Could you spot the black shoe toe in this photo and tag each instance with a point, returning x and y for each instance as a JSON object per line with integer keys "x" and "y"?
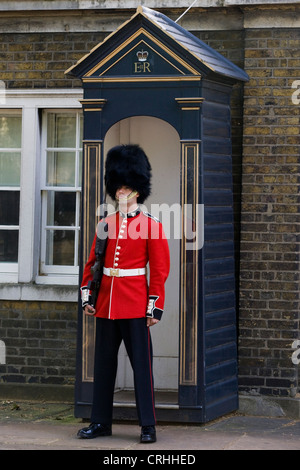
{"x": 94, "y": 430}
{"x": 148, "y": 434}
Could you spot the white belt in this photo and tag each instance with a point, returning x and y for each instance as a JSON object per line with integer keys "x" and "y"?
{"x": 124, "y": 272}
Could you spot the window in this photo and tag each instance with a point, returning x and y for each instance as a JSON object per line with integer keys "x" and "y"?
{"x": 40, "y": 177}
{"x": 61, "y": 190}
{"x": 10, "y": 164}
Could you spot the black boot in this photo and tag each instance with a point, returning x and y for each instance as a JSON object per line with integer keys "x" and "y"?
{"x": 148, "y": 434}
{"x": 94, "y": 430}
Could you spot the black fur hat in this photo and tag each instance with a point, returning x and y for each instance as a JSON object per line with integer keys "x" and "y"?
{"x": 128, "y": 165}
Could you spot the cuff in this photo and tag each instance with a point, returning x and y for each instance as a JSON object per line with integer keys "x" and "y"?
{"x": 152, "y": 310}
{"x": 85, "y": 296}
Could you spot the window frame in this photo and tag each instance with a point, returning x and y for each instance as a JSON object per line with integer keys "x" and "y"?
{"x": 46, "y": 269}
{"x": 22, "y": 281}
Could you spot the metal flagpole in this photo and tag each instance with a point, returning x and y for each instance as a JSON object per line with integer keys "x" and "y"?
{"x": 186, "y": 11}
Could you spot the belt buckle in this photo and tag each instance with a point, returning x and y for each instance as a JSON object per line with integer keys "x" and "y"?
{"x": 114, "y": 272}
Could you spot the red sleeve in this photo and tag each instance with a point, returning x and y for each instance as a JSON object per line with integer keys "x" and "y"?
{"x": 159, "y": 265}
{"x": 87, "y": 274}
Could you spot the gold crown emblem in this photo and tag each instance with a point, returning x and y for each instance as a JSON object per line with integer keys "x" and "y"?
{"x": 142, "y": 55}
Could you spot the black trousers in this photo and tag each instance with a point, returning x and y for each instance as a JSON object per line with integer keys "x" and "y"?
{"x": 137, "y": 340}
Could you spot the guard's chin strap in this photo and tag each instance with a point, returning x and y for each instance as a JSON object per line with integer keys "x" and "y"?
{"x": 127, "y": 198}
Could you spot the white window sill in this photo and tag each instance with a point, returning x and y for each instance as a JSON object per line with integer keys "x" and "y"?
{"x": 42, "y": 293}
{"x": 57, "y": 280}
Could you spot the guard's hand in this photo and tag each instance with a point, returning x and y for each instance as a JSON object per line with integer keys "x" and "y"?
{"x": 89, "y": 310}
{"x": 151, "y": 321}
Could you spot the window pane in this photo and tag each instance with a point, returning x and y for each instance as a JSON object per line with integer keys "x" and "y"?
{"x": 9, "y": 207}
{"x": 9, "y": 240}
{"x": 61, "y": 130}
{"x": 10, "y": 163}
{"x": 10, "y": 131}
{"x": 60, "y": 247}
{"x": 61, "y": 208}
{"x": 61, "y": 169}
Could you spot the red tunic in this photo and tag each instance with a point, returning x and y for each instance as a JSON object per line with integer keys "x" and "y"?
{"x": 133, "y": 241}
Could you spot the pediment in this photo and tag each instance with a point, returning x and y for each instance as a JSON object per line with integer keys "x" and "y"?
{"x": 142, "y": 56}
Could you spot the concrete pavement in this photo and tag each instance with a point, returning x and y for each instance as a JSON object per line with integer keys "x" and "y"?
{"x": 45, "y": 426}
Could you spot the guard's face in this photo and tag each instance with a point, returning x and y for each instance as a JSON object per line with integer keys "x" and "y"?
{"x": 124, "y": 193}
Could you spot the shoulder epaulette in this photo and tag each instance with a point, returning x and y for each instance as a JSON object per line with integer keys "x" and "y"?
{"x": 147, "y": 214}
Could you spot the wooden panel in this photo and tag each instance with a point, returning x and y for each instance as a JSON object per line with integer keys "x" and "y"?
{"x": 221, "y": 284}
{"x": 214, "y": 162}
{"x": 219, "y": 266}
{"x": 220, "y": 371}
{"x": 220, "y": 354}
{"x": 219, "y": 301}
{"x": 218, "y": 198}
{"x": 217, "y": 180}
{"x": 214, "y": 249}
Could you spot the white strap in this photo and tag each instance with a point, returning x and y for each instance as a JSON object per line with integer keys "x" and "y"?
{"x": 124, "y": 272}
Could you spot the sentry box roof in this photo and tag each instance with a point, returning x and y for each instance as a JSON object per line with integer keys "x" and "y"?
{"x": 176, "y": 53}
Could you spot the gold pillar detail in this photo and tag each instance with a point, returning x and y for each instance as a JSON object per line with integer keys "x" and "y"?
{"x": 189, "y": 266}
{"x": 91, "y": 201}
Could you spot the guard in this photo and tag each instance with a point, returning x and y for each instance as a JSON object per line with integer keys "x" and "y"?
{"x": 127, "y": 304}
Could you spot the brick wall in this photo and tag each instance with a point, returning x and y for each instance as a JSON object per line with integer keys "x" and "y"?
{"x": 40, "y": 339}
{"x": 39, "y": 60}
{"x": 269, "y": 275}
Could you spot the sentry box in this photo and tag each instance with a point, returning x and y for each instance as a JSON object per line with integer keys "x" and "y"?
{"x": 155, "y": 84}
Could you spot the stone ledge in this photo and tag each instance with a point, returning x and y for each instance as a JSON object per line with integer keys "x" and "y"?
{"x": 50, "y": 393}
{"x": 97, "y": 16}
{"x": 79, "y": 5}
{"x": 269, "y": 406}
{"x": 41, "y": 293}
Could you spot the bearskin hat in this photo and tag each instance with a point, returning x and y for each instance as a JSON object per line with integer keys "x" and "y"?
{"x": 128, "y": 165}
